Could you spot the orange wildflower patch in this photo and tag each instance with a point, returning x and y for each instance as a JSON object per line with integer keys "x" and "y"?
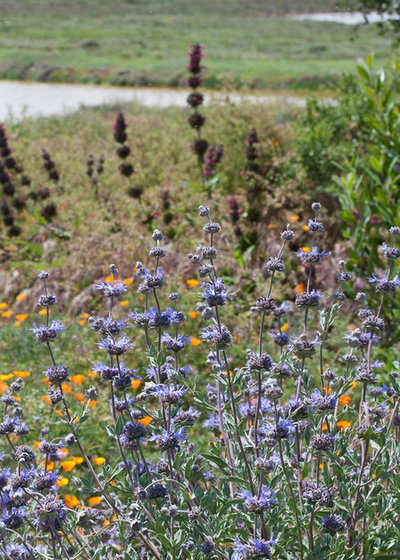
{"x": 146, "y": 420}
{"x": 192, "y": 283}
{"x": 6, "y": 314}
{"x": 71, "y": 501}
{"x": 5, "y": 377}
{"x": 21, "y": 317}
{"x": 21, "y": 297}
{"x": 77, "y": 460}
{"x": 128, "y": 281}
{"x": 94, "y": 501}
{"x": 194, "y": 314}
{"x": 46, "y": 399}
{"x": 300, "y": 288}
{"x": 44, "y": 311}
{"x": 344, "y": 400}
{"x": 66, "y": 388}
{"x": 78, "y": 379}
{"x": 343, "y": 424}
{"x": 284, "y": 327}
{"x": 124, "y": 303}
{"x": 62, "y": 481}
{"x": 3, "y": 305}
{"x": 136, "y": 384}
{"x": 195, "y": 341}
{"x": 68, "y": 465}
{"x": 21, "y": 374}
{"x": 324, "y": 426}
{"x": 92, "y": 374}
{"x": 293, "y": 218}
{"x": 99, "y": 461}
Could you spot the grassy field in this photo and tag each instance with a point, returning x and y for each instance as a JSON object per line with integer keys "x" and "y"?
{"x": 135, "y": 42}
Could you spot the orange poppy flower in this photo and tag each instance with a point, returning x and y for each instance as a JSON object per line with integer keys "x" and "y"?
{"x": 146, "y": 420}
{"x": 95, "y": 500}
{"x": 195, "y": 341}
{"x": 136, "y": 384}
{"x": 192, "y": 283}
{"x": 300, "y": 288}
{"x": 21, "y": 317}
{"x": 62, "y": 481}
{"x": 99, "y": 461}
{"x": 71, "y": 501}
{"x": 343, "y": 424}
{"x": 21, "y": 374}
{"x": 344, "y": 400}
{"x": 68, "y": 465}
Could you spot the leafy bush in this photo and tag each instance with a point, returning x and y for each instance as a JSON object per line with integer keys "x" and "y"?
{"x": 349, "y": 151}
{"x": 303, "y": 434}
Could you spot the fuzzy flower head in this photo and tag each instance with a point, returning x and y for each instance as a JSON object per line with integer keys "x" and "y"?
{"x": 324, "y": 402}
{"x": 215, "y": 293}
{"x": 169, "y": 439}
{"x": 111, "y": 289}
{"x": 311, "y": 257}
{"x": 253, "y": 549}
{"x": 168, "y": 393}
{"x": 259, "y": 504}
{"x": 47, "y": 334}
{"x": 115, "y": 347}
{"x": 385, "y": 285}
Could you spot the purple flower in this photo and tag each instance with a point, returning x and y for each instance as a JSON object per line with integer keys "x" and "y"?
{"x": 115, "y": 347}
{"x": 256, "y": 548}
{"x": 212, "y": 423}
{"x": 168, "y": 393}
{"x": 311, "y": 257}
{"x": 324, "y": 402}
{"x": 152, "y": 318}
{"x": 175, "y": 344}
{"x": 215, "y": 293}
{"x": 169, "y": 439}
{"x": 221, "y": 338}
{"x": 150, "y": 282}
{"x": 383, "y": 284}
{"x": 281, "y": 429}
{"x": 47, "y": 334}
{"x": 257, "y": 504}
{"x": 111, "y": 289}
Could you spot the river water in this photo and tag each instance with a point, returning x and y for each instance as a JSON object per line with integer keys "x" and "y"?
{"x": 346, "y": 18}
{"x": 26, "y": 99}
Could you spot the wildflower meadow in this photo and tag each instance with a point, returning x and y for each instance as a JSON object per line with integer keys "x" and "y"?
{"x": 199, "y": 331}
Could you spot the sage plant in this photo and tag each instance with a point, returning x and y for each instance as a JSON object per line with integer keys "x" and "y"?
{"x": 303, "y": 454}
